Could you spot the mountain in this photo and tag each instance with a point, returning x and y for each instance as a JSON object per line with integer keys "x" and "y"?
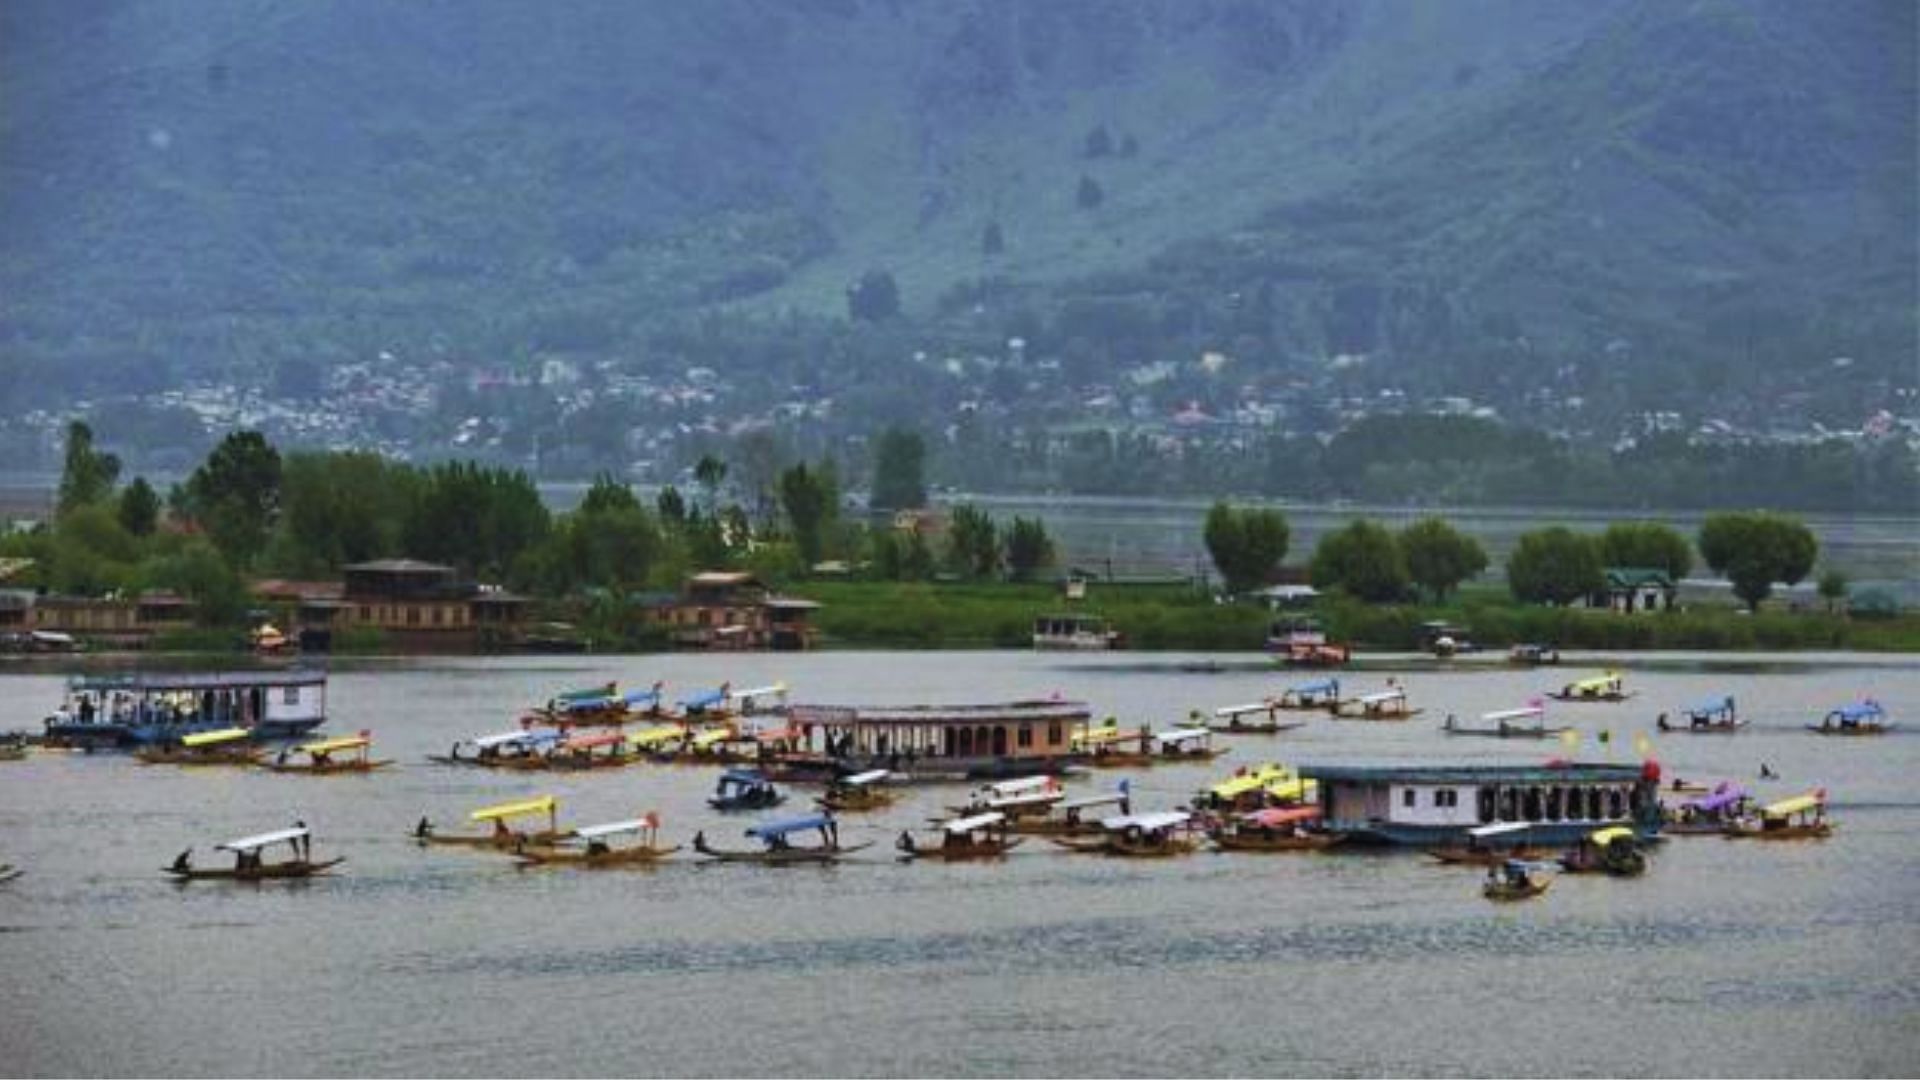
{"x": 1694, "y": 204}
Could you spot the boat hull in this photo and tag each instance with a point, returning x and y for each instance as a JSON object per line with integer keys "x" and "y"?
{"x": 780, "y": 856}
{"x": 1503, "y": 892}
{"x": 276, "y": 872}
{"x": 1227, "y": 841}
{"x": 633, "y": 856}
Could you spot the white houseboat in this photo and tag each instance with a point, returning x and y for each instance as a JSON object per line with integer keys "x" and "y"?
{"x": 1426, "y": 805}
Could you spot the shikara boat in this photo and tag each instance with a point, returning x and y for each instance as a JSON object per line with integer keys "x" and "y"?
{"x": 1388, "y": 704}
{"x": 227, "y": 746}
{"x": 779, "y": 850}
{"x": 1185, "y": 744}
{"x": 1246, "y": 719}
{"x": 1864, "y": 717}
{"x": 745, "y": 789}
{"x": 1491, "y": 845}
{"x": 8, "y": 872}
{"x": 658, "y": 741}
{"x": 1715, "y": 716}
{"x": 1106, "y": 746}
{"x": 1254, "y": 788}
{"x": 1530, "y": 654}
{"x": 1141, "y": 836}
{"x": 601, "y": 748}
{"x": 501, "y": 837}
{"x": 1803, "y": 817}
{"x": 594, "y": 705}
{"x": 505, "y": 750}
{"x": 861, "y": 791}
{"x": 1073, "y": 817}
{"x": 13, "y": 747}
{"x": 980, "y": 836}
{"x": 249, "y": 864}
{"x": 329, "y": 757}
{"x": 589, "y": 846}
{"x": 1524, "y": 723}
{"x": 712, "y": 745}
{"x": 1609, "y": 687}
{"x": 1028, "y": 796}
{"x": 1517, "y": 879}
{"x": 1274, "y": 829}
{"x": 1317, "y": 695}
{"x": 1709, "y": 813}
{"x": 1614, "y": 851}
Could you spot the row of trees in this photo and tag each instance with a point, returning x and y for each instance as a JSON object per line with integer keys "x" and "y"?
{"x": 1555, "y": 565}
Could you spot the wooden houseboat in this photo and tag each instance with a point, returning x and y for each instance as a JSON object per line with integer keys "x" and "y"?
{"x": 943, "y": 742}
{"x": 1432, "y": 805}
{"x": 1865, "y": 717}
{"x": 1300, "y": 641}
{"x": 1074, "y": 631}
{"x": 148, "y": 708}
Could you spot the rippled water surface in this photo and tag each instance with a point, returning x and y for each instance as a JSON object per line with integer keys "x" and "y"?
{"x": 1727, "y": 958}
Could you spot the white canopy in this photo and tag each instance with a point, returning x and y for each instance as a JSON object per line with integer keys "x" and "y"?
{"x": 758, "y": 691}
{"x": 1181, "y": 735}
{"x": 1023, "y": 786}
{"x": 255, "y": 843}
{"x": 1499, "y": 829}
{"x": 614, "y": 828}
{"x": 1155, "y": 822}
{"x": 872, "y": 776}
{"x": 1531, "y": 712}
{"x": 1093, "y": 800}
{"x": 969, "y": 824}
{"x": 1242, "y": 710}
{"x": 1036, "y": 798}
{"x": 486, "y": 742}
{"x": 1381, "y": 696}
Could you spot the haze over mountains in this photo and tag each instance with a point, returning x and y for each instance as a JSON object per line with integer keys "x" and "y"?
{"x": 1694, "y": 206}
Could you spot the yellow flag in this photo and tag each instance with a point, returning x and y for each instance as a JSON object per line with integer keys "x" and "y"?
{"x": 1570, "y": 738}
{"x": 1642, "y": 745}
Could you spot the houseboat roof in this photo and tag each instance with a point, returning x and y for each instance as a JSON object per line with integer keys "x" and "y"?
{"x": 1577, "y": 772}
{"x": 1315, "y": 686}
{"x": 256, "y": 842}
{"x": 1017, "y": 712}
{"x": 147, "y": 681}
{"x": 862, "y": 779}
{"x": 973, "y": 823}
{"x": 1181, "y": 735}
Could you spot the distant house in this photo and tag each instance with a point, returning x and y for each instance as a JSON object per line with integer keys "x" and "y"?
{"x": 112, "y": 620}
{"x": 725, "y": 610}
{"x": 1631, "y": 589}
{"x": 418, "y": 604}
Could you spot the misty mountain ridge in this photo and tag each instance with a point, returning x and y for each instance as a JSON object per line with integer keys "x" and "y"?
{"x": 1681, "y": 197}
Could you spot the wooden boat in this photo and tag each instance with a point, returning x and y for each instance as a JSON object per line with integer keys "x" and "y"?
{"x": 587, "y": 847}
{"x": 227, "y": 746}
{"x": 1388, "y": 704}
{"x": 1027, "y": 796}
{"x": 1614, "y": 851}
{"x": 658, "y": 741}
{"x": 1491, "y": 845}
{"x": 595, "y": 705}
{"x": 1525, "y": 723}
{"x": 1316, "y": 695}
{"x": 709, "y": 746}
{"x": 1715, "y": 716}
{"x": 501, "y": 837}
{"x": 1077, "y": 631}
{"x": 1245, "y": 720}
{"x": 248, "y": 863}
{"x": 1139, "y": 836}
{"x": 861, "y": 791}
{"x": 1445, "y": 640}
{"x": 1803, "y": 817}
{"x": 1071, "y": 817}
{"x": 8, "y": 872}
{"x": 13, "y": 751}
{"x": 1185, "y": 744}
{"x": 1254, "y": 788}
{"x": 1530, "y": 654}
{"x": 1104, "y": 746}
{"x": 1864, "y": 717}
{"x": 505, "y": 750}
{"x": 744, "y": 789}
{"x": 604, "y": 748}
{"x": 1709, "y": 813}
{"x": 1515, "y": 880}
{"x": 980, "y": 836}
{"x": 1609, "y": 687}
{"x": 1274, "y": 829}
{"x": 329, "y": 757}
{"x": 779, "y": 850}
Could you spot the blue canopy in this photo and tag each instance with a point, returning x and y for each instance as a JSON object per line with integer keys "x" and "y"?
{"x": 593, "y": 704}
{"x": 1317, "y": 686}
{"x": 704, "y": 700}
{"x": 746, "y": 777}
{"x": 642, "y": 697}
{"x": 1721, "y": 704}
{"x": 1860, "y": 710}
{"x": 771, "y": 829}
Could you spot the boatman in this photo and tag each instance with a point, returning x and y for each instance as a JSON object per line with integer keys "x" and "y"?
{"x": 184, "y": 862}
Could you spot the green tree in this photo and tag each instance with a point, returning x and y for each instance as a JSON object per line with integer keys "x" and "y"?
{"x": 1440, "y": 557}
{"x": 199, "y": 572}
{"x": 874, "y": 298}
{"x": 1755, "y": 549}
{"x": 710, "y": 472}
{"x": 1555, "y": 566}
{"x": 139, "y": 509}
{"x": 606, "y": 495}
{"x": 1363, "y": 559}
{"x": 1029, "y": 548}
{"x": 338, "y": 508}
{"x": 480, "y": 519}
{"x": 89, "y": 474}
{"x": 899, "y": 470}
{"x": 1246, "y": 545}
{"x": 672, "y": 506}
{"x": 973, "y": 543}
{"x": 235, "y": 494}
{"x": 1833, "y": 589}
{"x": 811, "y": 499}
{"x": 1647, "y": 544}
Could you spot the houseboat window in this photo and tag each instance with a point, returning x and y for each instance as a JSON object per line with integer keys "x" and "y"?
{"x": 1616, "y": 806}
{"x": 966, "y": 742}
{"x": 1446, "y": 797}
{"x": 365, "y": 613}
{"x": 1509, "y": 804}
{"x": 290, "y": 696}
{"x": 1485, "y": 805}
{"x": 1409, "y": 797}
{"x": 1534, "y": 808}
{"x": 1556, "y": 797}
{"x": 1026, "y": 736}
{"x": 1000, "y": 741}
{"x": 1053, "y": 733}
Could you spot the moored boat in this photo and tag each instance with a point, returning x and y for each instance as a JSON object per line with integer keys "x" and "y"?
{"x": 227, "y": 746}
{"x": 1532, "y": 654}
{"x": 1246, "y": 719}
{"x": 1863, "y": 717}
{"x": 504, "y": 750}
{"x": 1491, "y": 845}
{"x": 1712, "y": 716}
{"x": 861, "y": 791}
{"x": 590, "y": 846}
{"x": 1609, "y": 687}
{"x": 1253, "y": 788}
{"x": 1803, "y": 817}
{"x": 938, "y": 742}
{"x": 1314, "y": 694}
{"x": 1614, "y": 851}
{"x": 1027, "y": 796}
{"x": 1516, "y": 879}
{"x": 1185, "y": 744}
{"x": 777, "y": 836}
{"x": 1141, "y": 836}
{"x": 1300, "y": 641}
{"x": 1529, "y": 722}
{"x": 249, "y": 862}
{"x": 1711, "y": 812}
{"x": 1074, "y": 817}
{"x": 329, "y": 757}
{"x": 501, "y": 837}
{"x": 1074, "y": 631}
{"x": 1388, "y": 704}
{"x": 1274, "y": 829}
{"x": 745, "y": 789}
{"x": 978, "y": 836}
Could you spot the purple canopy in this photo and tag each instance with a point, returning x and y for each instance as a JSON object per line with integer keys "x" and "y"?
{"x": 1723, "y": 796}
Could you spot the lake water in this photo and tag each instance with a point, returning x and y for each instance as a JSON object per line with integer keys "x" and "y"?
{"x": 1727, "y": 958}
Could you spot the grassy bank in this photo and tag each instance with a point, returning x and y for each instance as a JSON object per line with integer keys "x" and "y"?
{"x": 920, "y": 615}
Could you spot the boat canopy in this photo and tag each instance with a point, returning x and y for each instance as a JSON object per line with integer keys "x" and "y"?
{"x": 1598, "y": 683}
{"x": 772, "y": 690}
{"x": 506, "y": 738}
{"x": 1292, "y": 789}
{"x": 706, "y": 699}
{"x": 1604, "y": 837}
{"x": 1723, "y": 796}
{"x": 1225, "y": 711}
{"x": 1084, "y": 802}
{"x": 1799, "y": 804}
{"x": 1531, "y": 712}
{"x": 591, "y": 740}
{"x": 1315, "y": 686}
{"x": 502, "y": 811}
{"x": 1252, "y": 780}
{"x": 617, "y": 828}
{"x": 214, "y": 738}
{"x": 1098, "y": 736}
{"x": 972, "y": 824}
{"x": 334, "y": 746}
{"x": 1182, "y": 735}
{"x": 770, "y": 830}
{"x": 1159, "y": 821}
{"x": 1500, "y": 828}
{"x": 1857, "y": 711}
{"x": 743, "y": 778}
{"x": 710, "y": 737}
{"x": 592, "y": 693}
{"x": 1026, "y": 785}
{"x": 591, "y": 704}
{"x": 1381, "y": 697}
{"x": 654, "y": 736}
{"x": 1280, "y": 816}
{"x": 255, "y": 843}
{"x": 647, "y": 698}
{"x": 1713, "y": 706}
{"x": 871, "y": 776}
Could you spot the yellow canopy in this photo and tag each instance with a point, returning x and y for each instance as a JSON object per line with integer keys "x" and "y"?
{"x": 654, "y": 736}
{"x": 214, "y": 738}
{"x": 1097, "y": 736}
{"x": 709, "y": 737}
{"x": 1599, "y": 682}
{"x": 332, "y": 746}
{"x": 1799, "y": 804}
{"x": 1293, "y": 790}
{"x": 542, "y": 805}
{"x": 1603, "y": 837}
{"x": 1252, "y": 780}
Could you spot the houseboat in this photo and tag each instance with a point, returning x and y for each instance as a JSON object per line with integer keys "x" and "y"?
{"x": 1429, "y": 805}
{"x": 1074, "y": 631}
{"x": 941, "y": 742}
{"x": 102, "y": 711}
{"x": 1300, "y": 641}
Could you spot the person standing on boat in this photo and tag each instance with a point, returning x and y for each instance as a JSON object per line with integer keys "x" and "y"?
{"x": 303, "y": 844}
